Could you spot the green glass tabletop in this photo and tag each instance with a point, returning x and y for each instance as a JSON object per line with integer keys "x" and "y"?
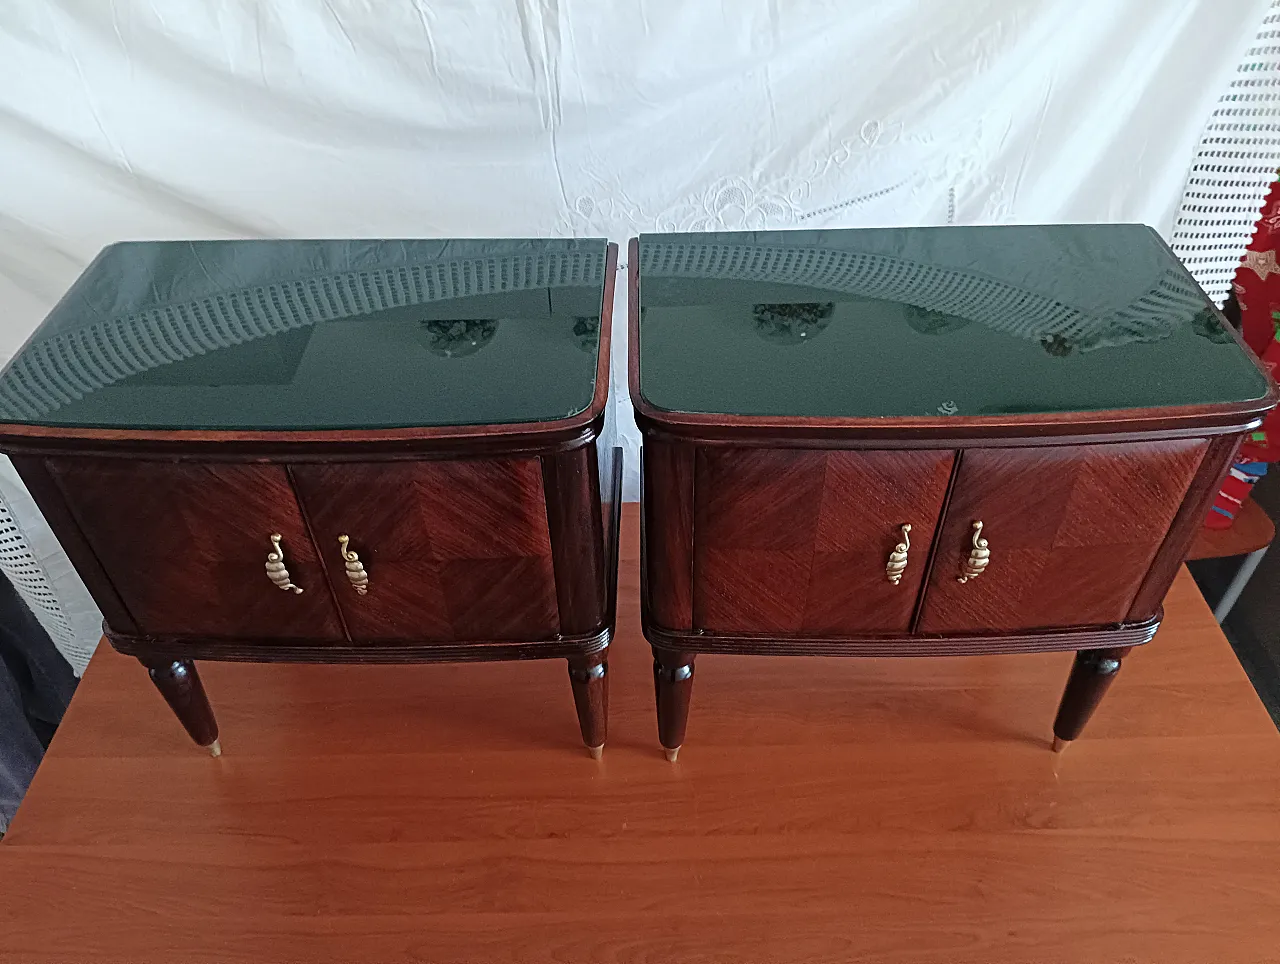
{"x": 930, "y": 321}
{"x": 317, "y": 335}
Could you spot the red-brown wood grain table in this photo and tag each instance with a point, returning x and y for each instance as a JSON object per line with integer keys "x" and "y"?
{"x": 880, "y": 810}
{"x": 1250, "y": 535}
{"x": 1252, "y": 530}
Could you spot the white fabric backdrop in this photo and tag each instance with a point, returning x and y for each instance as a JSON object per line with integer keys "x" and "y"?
{"x": 417, "y": 118}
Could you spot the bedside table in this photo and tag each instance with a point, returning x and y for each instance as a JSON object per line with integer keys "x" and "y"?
{"x": 924, "y": 441}
{"x": 332, "y": 451}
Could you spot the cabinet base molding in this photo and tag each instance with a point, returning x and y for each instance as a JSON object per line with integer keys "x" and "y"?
{"x": 1042, "y": 641}
{"x": 325, "y": 651}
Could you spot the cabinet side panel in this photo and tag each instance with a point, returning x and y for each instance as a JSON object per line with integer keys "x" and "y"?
{"x": 668, "y": 519}
{"x": 44, "y": 489}
{"x": 1173, "y": 551}
{"x": 571, "y": 482}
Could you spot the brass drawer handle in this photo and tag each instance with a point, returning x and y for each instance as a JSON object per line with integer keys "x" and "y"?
{"x": 979, "y": 556}
{"x": 276, "y": 570}
{"x": 355, "y": 568}
{"x": 897, "y": 564}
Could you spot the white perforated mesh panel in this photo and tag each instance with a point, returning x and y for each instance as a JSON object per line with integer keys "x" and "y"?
{"x": 1233, "y": 167}
{"x": 26, "y": 573}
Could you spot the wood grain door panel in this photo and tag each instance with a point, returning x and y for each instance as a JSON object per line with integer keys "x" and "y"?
{"x": 454, "y": 550}
{"x": 185, "y": 545}
{"x": 866, "y": 497}
{"x": 795, "y": 541}
{"x": 1072, "y": 531}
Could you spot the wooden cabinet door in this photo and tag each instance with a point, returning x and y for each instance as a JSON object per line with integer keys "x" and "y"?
{"x": 795, "y": 541}
{"x": 452, "y": 550}
{"x": 186, "y": 544}
{"x": 1071, "y": 530}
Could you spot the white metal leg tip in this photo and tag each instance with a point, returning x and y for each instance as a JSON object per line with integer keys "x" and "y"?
{"x": 214, "y": 748}
{"x": 671, "y": 754}
{"x": 1059, "y": 744}
{"x": 596, "y": 751}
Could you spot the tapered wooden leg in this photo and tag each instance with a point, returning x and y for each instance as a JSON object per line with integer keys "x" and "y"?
{"x": 590, "y": 678}
{"x": 1091, "y": 675}
{"x": 179, "y": 684}
{"x": 673, "y": 686}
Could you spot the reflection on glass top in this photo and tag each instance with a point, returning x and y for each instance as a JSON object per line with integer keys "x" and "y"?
{"x": 316, "y": 335}
{"x": 930, "y": 321}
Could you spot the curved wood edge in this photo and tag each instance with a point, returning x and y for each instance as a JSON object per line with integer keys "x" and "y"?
{"x": 339, "y": 446}
{"x": 633, "y": 331}
{"x": 610, "y": 550}
{"x": 330, "y": 651}
{"x": 1108, "y": 425}
{"x": 895, "y": 433}
{"x": 571, "y": 487}
{"x": 566, "y": 433}
{"x": 613, "y": 549}
{"x": 1164, "y": 566}
{"x": 1041, "y": 641}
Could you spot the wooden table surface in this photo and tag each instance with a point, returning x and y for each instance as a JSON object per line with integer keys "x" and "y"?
{"x": 1251, "y": 530}
{"x": 822, "y": 811}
